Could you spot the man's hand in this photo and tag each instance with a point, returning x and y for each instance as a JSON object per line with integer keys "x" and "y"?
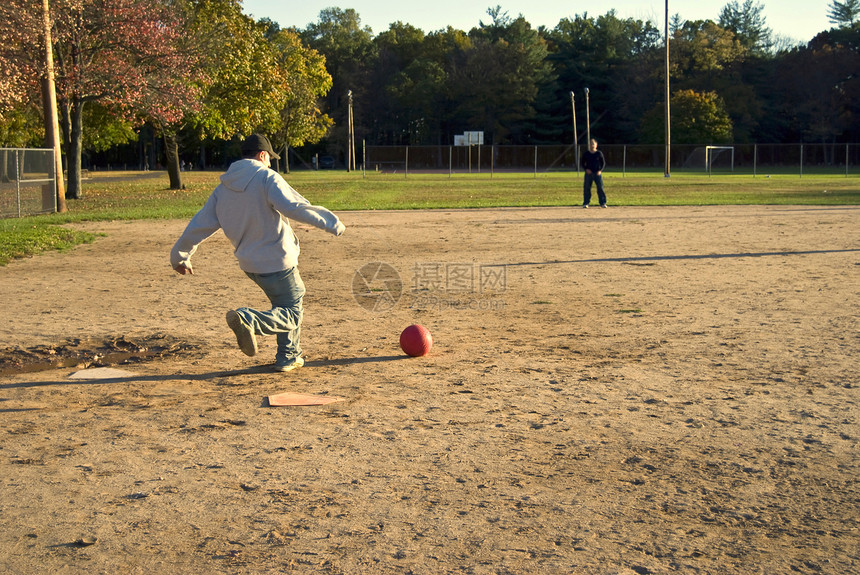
{"x": 182, "y": 269}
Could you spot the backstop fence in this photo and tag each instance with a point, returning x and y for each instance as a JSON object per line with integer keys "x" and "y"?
{"x": 752, "y": 159}
{"x": 27, "y": 182}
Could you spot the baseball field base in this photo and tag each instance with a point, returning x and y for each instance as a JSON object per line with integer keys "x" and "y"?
{"x": 300, "y": 399}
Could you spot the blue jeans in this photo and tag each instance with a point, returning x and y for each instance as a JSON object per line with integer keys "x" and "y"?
{"x": 586, "y": 188}
{"x": 285, "y": 290}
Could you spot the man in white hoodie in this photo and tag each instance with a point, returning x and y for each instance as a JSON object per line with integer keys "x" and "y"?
{"x": 252, "y": 205}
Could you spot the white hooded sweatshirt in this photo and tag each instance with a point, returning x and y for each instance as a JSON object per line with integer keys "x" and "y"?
{"x": 252, "y": 205}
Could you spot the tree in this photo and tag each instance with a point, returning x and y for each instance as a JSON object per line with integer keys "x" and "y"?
{"x": 349, "y": 52}
{"x": 243, "y": 91}
{"x": 172, "y": 79}
{"x": 13, "y": 87}
{"x": 702, "y": 50}
{"x": 20, "y": 123}
{"x": 697, "y": 118}
{"x": 844, "y": 14}
{"x": 258, "y": 78}
{"x": 103, "y": 129}
{"x": 18, "y": 32}
{"x": 301, "y": 120}
{"x": 433, "y": 81}
{"x": 240, "y": 88}
{"x": 419, "y": 92}
{"x": 501, "y": 77}
{"x": 616, "y": 59}
{"x": 20, "y": 66}
{"x": 748, "y": 24}
{"x": 414, "y": 78}
{"x": 819, "y": 91}
{"x": 21, "y": 126}
{"x": 108, "y": 51}
{"x": 118, "y": 54}
{"x": 400, "y": 76}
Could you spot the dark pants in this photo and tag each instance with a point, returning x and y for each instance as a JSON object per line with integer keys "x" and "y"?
{"x": 586, "y": 188}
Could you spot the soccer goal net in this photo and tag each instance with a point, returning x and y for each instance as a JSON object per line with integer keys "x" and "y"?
{"x": 720, "y": 158}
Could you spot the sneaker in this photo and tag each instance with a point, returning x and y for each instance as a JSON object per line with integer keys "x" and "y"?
{"x": 244, "y": 336}
{"x": 289, "y": 364}
{"x": 603, "y": 206}
{"x": 585, "y": 206}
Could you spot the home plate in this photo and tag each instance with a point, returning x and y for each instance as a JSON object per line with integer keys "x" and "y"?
{"x": 101, "y": 373}
{"x": 285, "y": 399}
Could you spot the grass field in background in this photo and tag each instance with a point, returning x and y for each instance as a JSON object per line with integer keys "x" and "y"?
{"x": 138, "y": 195}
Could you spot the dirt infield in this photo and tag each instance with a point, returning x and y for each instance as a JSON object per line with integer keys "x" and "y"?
{"x": 631, "y": 390}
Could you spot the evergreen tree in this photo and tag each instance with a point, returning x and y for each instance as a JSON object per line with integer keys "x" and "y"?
{"x": 844, "y": 14}
{"x": 748, "y": 24}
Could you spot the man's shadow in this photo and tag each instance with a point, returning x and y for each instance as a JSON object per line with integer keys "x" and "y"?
{"x": 251, "y": 370}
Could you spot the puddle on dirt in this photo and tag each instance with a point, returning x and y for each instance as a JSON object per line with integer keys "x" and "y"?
{"x": 83, "y": 354}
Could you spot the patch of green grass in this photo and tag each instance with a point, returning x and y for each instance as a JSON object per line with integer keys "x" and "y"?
{"x": 23, "y": 238}
{"x": 136, "y": 195}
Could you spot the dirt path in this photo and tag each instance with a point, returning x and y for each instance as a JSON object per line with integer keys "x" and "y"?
{"x": 632, "y": 390}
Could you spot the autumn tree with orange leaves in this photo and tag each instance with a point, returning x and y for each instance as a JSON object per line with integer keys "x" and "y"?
{"x": 130, "y": 56}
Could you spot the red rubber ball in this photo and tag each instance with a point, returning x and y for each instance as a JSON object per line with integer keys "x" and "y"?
{"x": 416, "y": 340}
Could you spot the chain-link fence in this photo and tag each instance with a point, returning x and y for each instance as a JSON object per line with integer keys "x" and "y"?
{"x": 27, "y": 182}
{"x": 800, "y": 159}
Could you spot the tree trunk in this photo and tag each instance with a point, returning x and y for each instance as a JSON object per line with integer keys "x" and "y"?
{"x": 171, "y": 150}
{"x": 75, "y": 143}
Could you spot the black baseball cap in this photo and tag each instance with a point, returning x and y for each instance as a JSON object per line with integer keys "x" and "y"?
{"x": 259, "y": 143}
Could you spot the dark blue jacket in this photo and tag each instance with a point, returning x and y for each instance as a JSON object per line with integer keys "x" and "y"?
{"x": 593, "y": 161}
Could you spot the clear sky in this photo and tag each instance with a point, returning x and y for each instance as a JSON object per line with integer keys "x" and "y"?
{"x": 796, "y": 19}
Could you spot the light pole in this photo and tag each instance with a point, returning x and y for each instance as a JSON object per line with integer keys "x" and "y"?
{"x": 575, "y": 138}
{"x": 350, "y": 151}
{"x": 49, "y": 92}
{"x": 667, "y": 171}
{"x": 587, "y": 121}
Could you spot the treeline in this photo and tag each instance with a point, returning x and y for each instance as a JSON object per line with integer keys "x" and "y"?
{"x": 732, "y": 80}
{"x": 191, "y": 76}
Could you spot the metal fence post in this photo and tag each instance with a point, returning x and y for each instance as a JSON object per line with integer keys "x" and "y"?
{"x": 801, "y": 160}
{"x": 18, "y": 183}
{"x": 755, "y": 159}
{"x": 52, "y": 192}
{"x": 624, "y": 163}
